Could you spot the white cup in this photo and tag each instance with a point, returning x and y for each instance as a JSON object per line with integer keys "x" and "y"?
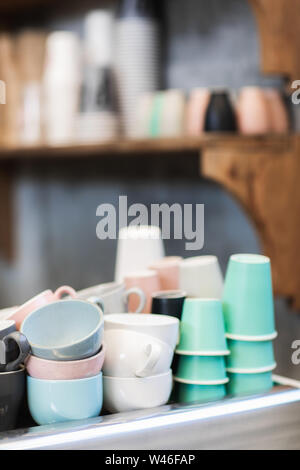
{"x": 161, "y": 327}
{"x": 132, "y": 354}
{"x": 112, "y": 297}
{"x": 138, "y": 247}
{"x": 127, "y": 394}
{"x": 201, "y": 277}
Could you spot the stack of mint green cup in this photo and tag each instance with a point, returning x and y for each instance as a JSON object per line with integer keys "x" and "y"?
{"x": 249, "y": 322}
{"x": 200, "y": 375}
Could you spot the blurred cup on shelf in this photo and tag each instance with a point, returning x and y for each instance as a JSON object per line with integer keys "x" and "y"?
{"x": 148, "y": 282}
{"x": 248, "y": 383}
{"x": 248, "y": 296}
{"x": 19, "y": 314}
{"x": 143, "y": 115}
{"x": 113, "y": 297}
{"x": 196, "y": 110}
{"x": 66, "y": 330}
{"x": 202, "y": 331}
{"x": 201, "y": 277}
{"x": 98, "y": 38}
{"x": 250, "y": 354}
{"x": 162, "y": 327}
{"x": 201, "y": 368}
{"x": 127, "y": 394}
{"x": 55, "y": 401}
{"x": 138, "y": 247}
{"x": 133, "y": 354}
{"x": 61, "y": 86}
{"x": 253, "y": 111}
{"x": 193, "y": 393}
{"x": 220, "y": 115}
{"x": 167, "y": 269}
{"x": 279, "y": 120}
{"x": 172, "y": 114}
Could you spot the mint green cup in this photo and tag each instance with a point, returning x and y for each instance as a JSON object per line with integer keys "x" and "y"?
{"x": 202, "y": 330}
{"x": 201, "y": 368}
{"x": 190, "y": 393}
{"x": 250, "y": 354}
{"x": 248, "y": 384}
{"x": 248, "y": 296}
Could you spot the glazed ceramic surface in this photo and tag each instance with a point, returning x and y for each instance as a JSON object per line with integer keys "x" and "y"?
{"x": 132, "y": 354}
{"x": 12, "y": 392}
{"x": 66, "y": 330}
{"x": 122, "y": 394}
{"x": 54, "y": 401}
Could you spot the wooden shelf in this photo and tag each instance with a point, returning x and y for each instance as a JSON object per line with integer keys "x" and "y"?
{"x": 146, "y": 146}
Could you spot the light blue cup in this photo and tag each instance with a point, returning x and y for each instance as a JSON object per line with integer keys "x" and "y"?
{"x": 248, "y": 296}
{"x": 190, "y": 393}
{"x": 202, "y": 329}
{"x": 201, "y": 368}
{"x": 248, "y": 384}
{"x": 250, "y": 354}
{"x": 66, "y": 330}
{"x": 55, "y": 401}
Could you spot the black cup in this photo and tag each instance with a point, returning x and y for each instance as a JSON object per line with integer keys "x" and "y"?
{"x": 220, "y": 115}
{"x": 14, "y": 350}
{"x": 168, "y": 303}
{"x": 12, "y": 394}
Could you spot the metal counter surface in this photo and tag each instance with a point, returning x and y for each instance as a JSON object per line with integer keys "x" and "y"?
{"x": 269, "y": 421}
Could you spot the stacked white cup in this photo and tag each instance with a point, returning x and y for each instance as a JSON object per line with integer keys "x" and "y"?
{"x": 137, "y": 65}
{"x": 61, "y": 86}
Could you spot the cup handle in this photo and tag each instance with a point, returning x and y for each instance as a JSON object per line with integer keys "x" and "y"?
{"x": 98, "y": 301}
{"x": 65, "y": 290}
{"x": 24, "y": 349}
{"x": 153, "y": 351}
{"x": 142, "y": 296}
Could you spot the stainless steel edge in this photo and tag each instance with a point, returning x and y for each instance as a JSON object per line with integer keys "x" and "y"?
{"x": 269, "y": 421}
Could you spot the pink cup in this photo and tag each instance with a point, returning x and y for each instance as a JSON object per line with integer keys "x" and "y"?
{"x": 38, "y": 301}
{"x": 167, "y": 270}
{"x": 65, "y": 370}
{"x": 146, "y": 280}
{"x": 196, "y": 110}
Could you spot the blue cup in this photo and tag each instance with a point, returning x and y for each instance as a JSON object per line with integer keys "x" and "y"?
{"x": 248, "y": 384}
{"x": 192, "y": 393}
{"x": 55, "y": 401}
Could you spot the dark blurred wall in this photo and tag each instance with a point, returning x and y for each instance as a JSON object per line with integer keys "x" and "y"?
{"x": 208, "y": 44}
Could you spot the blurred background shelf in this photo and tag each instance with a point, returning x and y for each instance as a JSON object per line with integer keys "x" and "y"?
{"x": 148, "y": 146}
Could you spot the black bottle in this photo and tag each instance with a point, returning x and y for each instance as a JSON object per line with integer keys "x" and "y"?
{"x": 220, "y": 115}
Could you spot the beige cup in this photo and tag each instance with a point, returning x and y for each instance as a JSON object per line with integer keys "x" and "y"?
{"x": 253, "y": 111}
{"x": 148, "y": 282}
{"x": 167, "y": 270}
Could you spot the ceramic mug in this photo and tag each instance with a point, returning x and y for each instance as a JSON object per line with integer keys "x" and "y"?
{"x": 127, "y": 394}
{"x": 66, "y": 330}
{"x": 38, "y": 301}
{"x": 112, "y": 297}
{"x": 12, "y": 393}
{"x": 55, "y": 401}
{"x": 132, "y": 354}
{"x": 39, "y": 368}
{"x": 146, "y": 280}
{"x": 7, "y": 327}
{"x": 168, "y": 272}
{"x": 161, "y": 327}
{"x": 8, "y": 344}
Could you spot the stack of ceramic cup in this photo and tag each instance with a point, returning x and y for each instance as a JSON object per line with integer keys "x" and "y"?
{"x": 137, "y": 57}
{"x": 200, "y": 375}
{"x": 61, "y": 86}
{"x": 97, "y": 120}
{"x": 249, "y": 319}
{"x": 14, "y": 350}
{"x": 65, "y": 378}
{"x": 137, "y": 365}
{"x": 201, "y": 277}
